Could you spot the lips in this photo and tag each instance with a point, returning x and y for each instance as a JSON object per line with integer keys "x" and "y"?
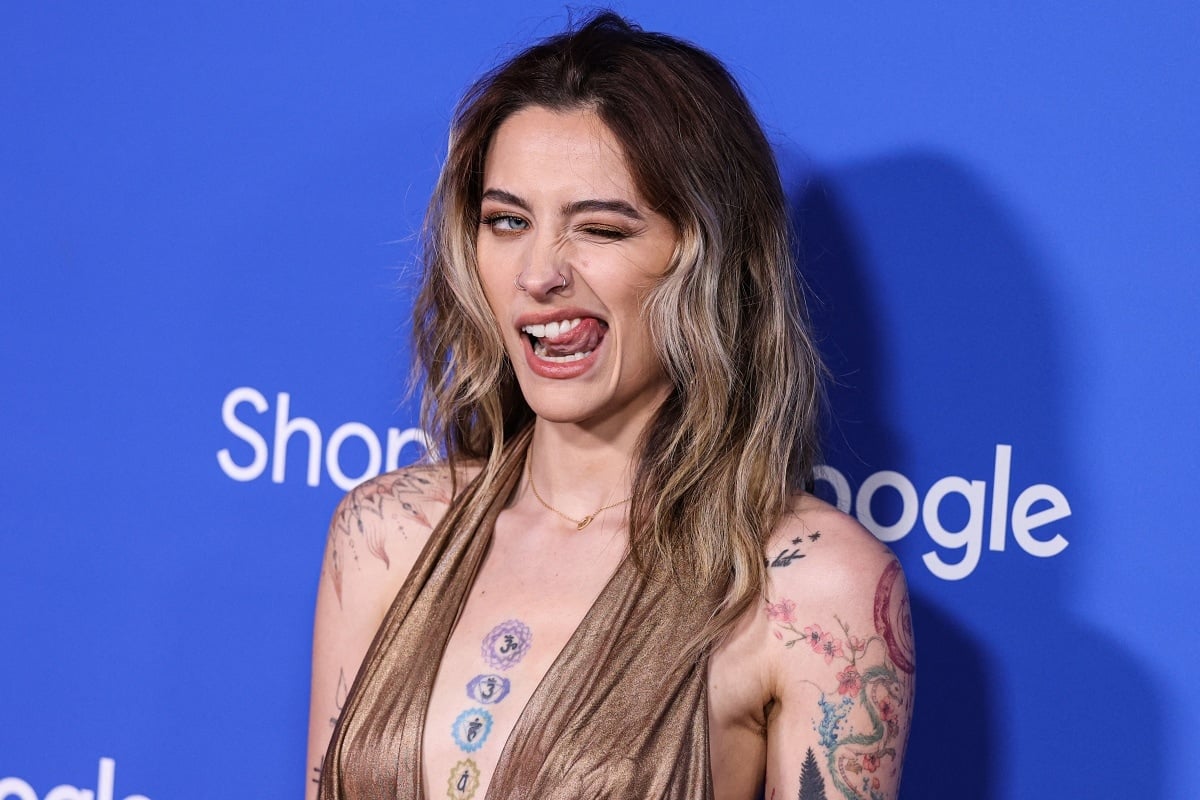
{"x": 569, "y": 340}
{"x": 562, "y": 345}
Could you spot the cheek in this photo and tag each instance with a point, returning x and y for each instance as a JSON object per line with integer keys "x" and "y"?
{"x": 638, "y": 341}
{"x": 495, "y": 280}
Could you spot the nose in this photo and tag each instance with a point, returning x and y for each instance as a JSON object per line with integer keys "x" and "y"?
{"x": 546, "y": 271}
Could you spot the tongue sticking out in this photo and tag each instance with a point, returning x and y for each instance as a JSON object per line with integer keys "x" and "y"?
{"x": 581, "y": 339}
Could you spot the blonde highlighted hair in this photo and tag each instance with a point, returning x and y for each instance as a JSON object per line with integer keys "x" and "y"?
{"x": 737, "y": 436}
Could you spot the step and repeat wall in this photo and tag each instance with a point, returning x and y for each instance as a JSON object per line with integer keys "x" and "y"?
{"x": 208, "y": 225}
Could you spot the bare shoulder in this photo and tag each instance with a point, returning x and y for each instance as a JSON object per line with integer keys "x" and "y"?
{"x": 831, "y": 587}
{"x": 838, "y": 641}
{"x": 820, "y": 562}
{"x": 380, "y": 527}
{"x": 823, "y": 555}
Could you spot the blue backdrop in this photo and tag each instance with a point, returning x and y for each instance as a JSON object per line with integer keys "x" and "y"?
{"x": 207, "y": 226}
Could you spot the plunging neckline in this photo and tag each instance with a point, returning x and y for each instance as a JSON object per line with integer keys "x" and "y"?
{"x": 523, "y": 718}
{"x": 617, "y": 713}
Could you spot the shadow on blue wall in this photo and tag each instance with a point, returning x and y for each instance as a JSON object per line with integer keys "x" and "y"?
{"x": 933, "y": 309}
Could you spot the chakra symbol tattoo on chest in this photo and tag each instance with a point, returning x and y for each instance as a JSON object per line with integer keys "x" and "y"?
{"x": 488, "y": 688}
{"x": 464, "y": 780}
{"x": 502, "y": 647}
{"x": 471, "y": 729}
{"x": 506, "y": 644}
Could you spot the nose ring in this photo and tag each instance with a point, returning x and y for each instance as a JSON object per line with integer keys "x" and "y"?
{"x": 521, "y": 286}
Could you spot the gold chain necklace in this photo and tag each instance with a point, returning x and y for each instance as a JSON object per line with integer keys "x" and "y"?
{"x": 579, "y": 524}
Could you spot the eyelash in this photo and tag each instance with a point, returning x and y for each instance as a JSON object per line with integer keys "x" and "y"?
{"x": 491, "y": 219}
{"x": 610, "y": 234}
{"x": 601, "y": 232}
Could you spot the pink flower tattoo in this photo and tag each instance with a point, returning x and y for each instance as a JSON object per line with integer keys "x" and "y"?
{"x": 784, "y": 611}
{"x": 849, "y": 681}
{"x": 823, "y": 643}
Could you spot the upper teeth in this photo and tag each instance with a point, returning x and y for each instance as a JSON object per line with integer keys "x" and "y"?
{"x": 551, "y": 330}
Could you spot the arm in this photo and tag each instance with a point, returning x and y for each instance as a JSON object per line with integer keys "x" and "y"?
{"x": 375, "y": 536}
{"x": 843, "y": 665}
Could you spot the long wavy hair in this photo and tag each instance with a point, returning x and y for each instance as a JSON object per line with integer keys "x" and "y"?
{"x": 737, "y": 436}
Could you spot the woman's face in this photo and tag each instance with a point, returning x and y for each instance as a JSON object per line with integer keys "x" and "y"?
{"x": 567, "y": 250}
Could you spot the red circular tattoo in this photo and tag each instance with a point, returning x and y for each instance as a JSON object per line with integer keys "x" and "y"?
{"x": 893, "y": 619}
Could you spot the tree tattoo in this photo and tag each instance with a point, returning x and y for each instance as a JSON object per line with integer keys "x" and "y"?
{"x": 812, "y": 785}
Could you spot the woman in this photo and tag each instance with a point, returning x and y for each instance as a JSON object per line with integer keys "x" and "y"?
{"x": 614, "y": 585}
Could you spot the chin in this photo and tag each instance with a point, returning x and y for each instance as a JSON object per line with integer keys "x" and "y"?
{"x": 561, "y": 410}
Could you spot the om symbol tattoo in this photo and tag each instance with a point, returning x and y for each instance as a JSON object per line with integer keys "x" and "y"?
{"x": 506, "y": 644}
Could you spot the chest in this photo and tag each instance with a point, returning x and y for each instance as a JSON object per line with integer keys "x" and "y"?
{"x": 529, "y": 597}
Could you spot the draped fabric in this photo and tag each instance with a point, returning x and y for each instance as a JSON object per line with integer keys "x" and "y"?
{"x": 616, "y": 716}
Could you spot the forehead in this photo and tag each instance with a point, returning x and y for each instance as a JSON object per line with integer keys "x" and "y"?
{"x": 569, "y": 153}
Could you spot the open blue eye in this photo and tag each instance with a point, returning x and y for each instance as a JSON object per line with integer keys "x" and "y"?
{"x": 506, "y": 223}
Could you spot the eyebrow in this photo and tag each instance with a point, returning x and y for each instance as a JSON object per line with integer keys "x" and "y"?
{"x": 569, "y": 209}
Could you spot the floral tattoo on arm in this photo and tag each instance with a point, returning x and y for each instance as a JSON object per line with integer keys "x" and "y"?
{"x": 861, "y": 727}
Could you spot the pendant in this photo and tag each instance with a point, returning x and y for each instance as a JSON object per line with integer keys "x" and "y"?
{"x": 583, "y": 523}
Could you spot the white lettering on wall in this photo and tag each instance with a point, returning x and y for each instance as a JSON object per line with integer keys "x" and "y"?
{"x": 302, "y": 433}
{"x": 17, "y": 789}
{"x": 968, "y": 539}
{"x": 246, "y": 413}
{"x": 244, "y": 432}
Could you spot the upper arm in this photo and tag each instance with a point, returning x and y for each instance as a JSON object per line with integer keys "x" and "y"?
{"x": 376, "y": 533}
{"x": 842, "y": 664}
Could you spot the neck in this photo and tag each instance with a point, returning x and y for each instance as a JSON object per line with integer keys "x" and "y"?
{"x": 578, "y": 470}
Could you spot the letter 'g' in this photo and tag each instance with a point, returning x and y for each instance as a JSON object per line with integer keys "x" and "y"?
{"x": 970, "y": 536}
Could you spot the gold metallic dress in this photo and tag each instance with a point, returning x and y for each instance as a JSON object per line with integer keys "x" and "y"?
{"x": 613, "y": 718}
